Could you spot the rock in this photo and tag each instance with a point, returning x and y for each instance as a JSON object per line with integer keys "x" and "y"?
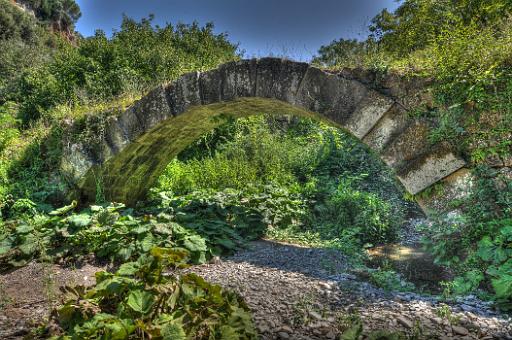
{"x": 330, "y": 335}
{"x": 263, "y": 329}
{"x": 286, "y": 329}
{"x": 315, "y": 315}
{"x": 467, "y": 308}
{"x": 324, "y": 285}
{"x": 404, "y": 321}
{"x": 460, "y": 330}
{"x": 283, "y": 335}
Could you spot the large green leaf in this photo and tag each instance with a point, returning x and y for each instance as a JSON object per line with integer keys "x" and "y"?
{"x": 24, "y": 228}
{"x": 141, "y": 301}
{"x": 353, "y": 332}
{"x": 195, "y": 243}
{"x": 80, "y": 220}
{"x": 30, "y": 245}
{"x": 503, "y": 286}
{"x": 5, "y": 246}
{"x": 173, "y": 331}
{"x": 486, "y": 248}
{"x": 118, "y": 329}
{"x": 148, "y": 242}
{"x": 128, "y": 269}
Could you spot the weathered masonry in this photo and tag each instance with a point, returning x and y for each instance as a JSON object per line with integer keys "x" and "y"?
{"x": 137, "y": 144}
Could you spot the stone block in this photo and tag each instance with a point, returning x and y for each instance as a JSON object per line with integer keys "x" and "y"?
{"x": 279, "y": 79}
{"x": 239, "y": 79}
{"x": 409, "y": 144}
{"x": 455, "y": 186}
{"x": 329, "y": 95}
{"x": 387, "y": 128}
{"x": 367, "y": 113}
{"x": 184, "y": 93}
{"x": 429, "y": 169}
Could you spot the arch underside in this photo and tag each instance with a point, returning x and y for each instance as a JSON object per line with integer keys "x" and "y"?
{"x": 140, "y": 142}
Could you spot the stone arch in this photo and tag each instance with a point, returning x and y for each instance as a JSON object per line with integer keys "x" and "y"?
{"x": 139, "y": 143}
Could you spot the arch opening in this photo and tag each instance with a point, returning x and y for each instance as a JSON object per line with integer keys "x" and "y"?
{"x": 130, "y": 174}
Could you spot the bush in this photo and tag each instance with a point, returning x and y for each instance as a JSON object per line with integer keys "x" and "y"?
{"x": 136, "y": 58}
{"x": 364, "y": 212}
{"x": 140, "y": 301}
{"x": 477, "y": 244}
{"x": 110, "y": 232}
{"x": 272, "y": 162}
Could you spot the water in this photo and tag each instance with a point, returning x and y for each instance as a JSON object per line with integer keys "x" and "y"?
{"x": 413, "y": 263}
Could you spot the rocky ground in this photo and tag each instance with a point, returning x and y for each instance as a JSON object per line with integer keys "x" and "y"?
{"x": 301, "y": 293}
{"x": 295, "y": 293}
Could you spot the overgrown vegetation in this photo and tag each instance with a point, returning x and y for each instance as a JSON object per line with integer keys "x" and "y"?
{"x": 279, "y": 177}
{"x": 465, "y": 46}
{"x": 254, "y": 180}
{"x": 477, "y": 243}
{"x": 49, "y": 80}
{"x": 314, "y": 180}
{"x": 140, "y": 300}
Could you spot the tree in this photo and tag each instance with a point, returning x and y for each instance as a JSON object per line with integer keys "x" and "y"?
{"x": 15, "y": 24}
{"x": 60, "y": 14}
{"x": 416, "y": 23}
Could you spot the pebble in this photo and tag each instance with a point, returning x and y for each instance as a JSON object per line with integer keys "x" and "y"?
{"x": 283, "y": 335}
{"x": 460, "y": 330}
{"x": 404, "y": 322}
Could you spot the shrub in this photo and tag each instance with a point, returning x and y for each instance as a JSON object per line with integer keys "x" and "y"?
{"x": 477, "y": 244}
{"x": 140, "y": 301}
{"x": 109, "y": 232}
{"x": 365, "y": 212}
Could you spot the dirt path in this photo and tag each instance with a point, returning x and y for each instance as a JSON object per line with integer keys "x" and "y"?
{"x": 294, "y": 292}
{"x": 28, "y": 294}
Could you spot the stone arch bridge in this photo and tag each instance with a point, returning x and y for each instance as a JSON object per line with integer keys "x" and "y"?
{"x": 136, "y": 145}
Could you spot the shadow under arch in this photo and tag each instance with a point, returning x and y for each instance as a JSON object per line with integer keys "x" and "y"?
{"x": 141, "y": 141}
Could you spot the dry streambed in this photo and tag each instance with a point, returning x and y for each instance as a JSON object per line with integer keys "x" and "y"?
{"x": 302, "y": 293}
{"x": 294, "y": 292}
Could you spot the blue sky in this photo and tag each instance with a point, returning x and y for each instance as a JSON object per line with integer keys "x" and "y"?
{"x": 295, "y": 28}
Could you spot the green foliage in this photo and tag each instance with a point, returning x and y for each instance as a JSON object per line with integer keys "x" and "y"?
{"x": 465, "y": 47}
{"x": 346, "y": 52}
{"x": 445, "y": 312}
{"x": 15, "y": 24}
{"x": 229, "y": 216}
{"x": 140, "y": 300}
{"x": 254, "y": 151}
{"x": 367, "y": 213}
{"x": 136, "y": 58}
{"x": 275, "y": 163}
{"x": 416, "y": 23}
{"x": 109, "y": 232}
{"x": 47, "y": 82}
{"x": 478, "y": 243}
{"x": 390, "y": 280}
{"x": 61, "y": 14}
{"x": 8, "y": 126}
